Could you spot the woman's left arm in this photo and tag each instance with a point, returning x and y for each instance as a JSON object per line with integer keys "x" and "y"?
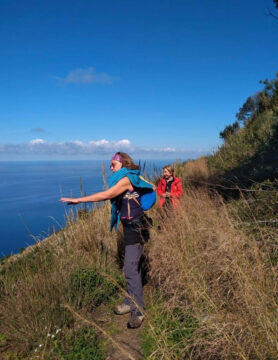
{"x": 177, "y": 193}
{"x": 121, "y": 186}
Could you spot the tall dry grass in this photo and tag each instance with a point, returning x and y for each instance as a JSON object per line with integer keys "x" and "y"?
{"x": 212, "y": 272}
{"x": 212, "y": 294}
{"x": 36, "y": 283}
{"x": 194, "y": 171}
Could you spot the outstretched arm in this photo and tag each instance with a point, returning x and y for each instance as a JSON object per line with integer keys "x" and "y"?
{"x": 121, "y": 186}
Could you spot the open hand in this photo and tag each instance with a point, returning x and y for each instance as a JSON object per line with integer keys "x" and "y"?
{"x": 70, "y": 201}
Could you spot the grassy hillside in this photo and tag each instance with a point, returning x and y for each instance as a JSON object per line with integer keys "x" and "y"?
{"x": 250, "y": 152}
{"x": 219, "y": 271}
{"x": 212, "y": 269}
{"x": 250, "y": 155}
{"x": 212, "y": 288}
{"x": 67, "y": 268}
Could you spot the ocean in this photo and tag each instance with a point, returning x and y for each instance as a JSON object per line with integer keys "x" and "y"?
{"x": 29, "y": 197}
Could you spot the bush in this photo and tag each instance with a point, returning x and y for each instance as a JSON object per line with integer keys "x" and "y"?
{"x": 81, "y": 344}
{"x": 89, "y": 288}
{"x": 174, "y": 326}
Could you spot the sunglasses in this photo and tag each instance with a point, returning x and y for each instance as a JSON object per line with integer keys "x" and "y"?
{"x": 113, "y": 165}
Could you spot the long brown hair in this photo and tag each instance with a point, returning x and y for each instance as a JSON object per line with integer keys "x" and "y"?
{"x": 169, "y": 168}
{"x": 127, "y": 161}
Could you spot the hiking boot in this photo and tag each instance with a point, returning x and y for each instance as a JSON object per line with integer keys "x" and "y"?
{"x": 135, "y": 321}
{"x": 122, "y": 309}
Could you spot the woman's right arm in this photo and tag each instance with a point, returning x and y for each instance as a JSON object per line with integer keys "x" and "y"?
{"x": 121, "y": 186}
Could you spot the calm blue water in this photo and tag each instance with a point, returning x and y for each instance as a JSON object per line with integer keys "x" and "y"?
{"x": 29, "y": 197}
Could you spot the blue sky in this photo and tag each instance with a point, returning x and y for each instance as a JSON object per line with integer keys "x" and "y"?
{"x": 81, "y": 79}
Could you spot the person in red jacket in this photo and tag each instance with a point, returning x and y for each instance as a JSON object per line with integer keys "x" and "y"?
{"x": 169, "y": 189}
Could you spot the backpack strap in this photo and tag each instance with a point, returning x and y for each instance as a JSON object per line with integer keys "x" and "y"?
{"x": 130, "y": 196}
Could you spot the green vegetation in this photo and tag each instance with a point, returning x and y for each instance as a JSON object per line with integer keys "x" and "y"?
{"x": 250, "y": 153}
{"x": 88, "y": 288}
{"x": 213, "y": 268}
{"x": 175, "y": 327}
{"x": 226, "y": 252}
{"x": 35, "y": 286}
{"x": 82, "y": 344}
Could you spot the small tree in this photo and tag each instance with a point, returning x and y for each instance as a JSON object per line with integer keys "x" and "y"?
{"x": 271, "y": 88}
{"x": 255, "y": 104}
{"x": 247, "y": 109}
{"x": 229, "y": 130}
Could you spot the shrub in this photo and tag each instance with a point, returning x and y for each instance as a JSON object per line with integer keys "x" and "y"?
{"x": 171, "y": 328}
{"x": 81, "y": 344}
{"x": 89, "y": 288}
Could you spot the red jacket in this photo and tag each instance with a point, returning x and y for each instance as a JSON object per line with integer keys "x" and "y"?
{"x": 176, "y": 191}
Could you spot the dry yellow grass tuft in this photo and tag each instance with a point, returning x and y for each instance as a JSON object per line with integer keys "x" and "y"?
{"x": 196, "y": 171}
{"x": 207, "y": 267}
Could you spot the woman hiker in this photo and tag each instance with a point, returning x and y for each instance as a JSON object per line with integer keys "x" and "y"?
{"x": 169, "y": 190}
{"x": 125, "y": 191}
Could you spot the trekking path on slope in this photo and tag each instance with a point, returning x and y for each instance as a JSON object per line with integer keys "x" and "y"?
{"x": 122, "y": 343}
{"x": 129, "y": 340}
{"x": 126, "y": 342}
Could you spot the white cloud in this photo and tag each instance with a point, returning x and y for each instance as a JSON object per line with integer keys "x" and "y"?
{"x": 87, "y": 76}
{"x": 37, "y": 141}
{"x": 75, "y": 147}
{"x": 166, "y": 149}
{"x": 94, "y": 148}
{"x": 102, "y": 142}
{"x": 77, "y": 142}
{"x": 124, "y": 142}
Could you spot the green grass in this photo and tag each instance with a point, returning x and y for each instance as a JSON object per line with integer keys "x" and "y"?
{"x": 80, "y": 344}
{"x": 89, "y": 288}
{"x": 250, "y": 155}
{"x": 170, "y": 331}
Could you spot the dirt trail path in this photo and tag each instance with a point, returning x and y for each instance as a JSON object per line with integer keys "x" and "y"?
{"x": 122, "y": 343}
{"x": 128, "y": 339}
{"x": 116, "y": 326}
